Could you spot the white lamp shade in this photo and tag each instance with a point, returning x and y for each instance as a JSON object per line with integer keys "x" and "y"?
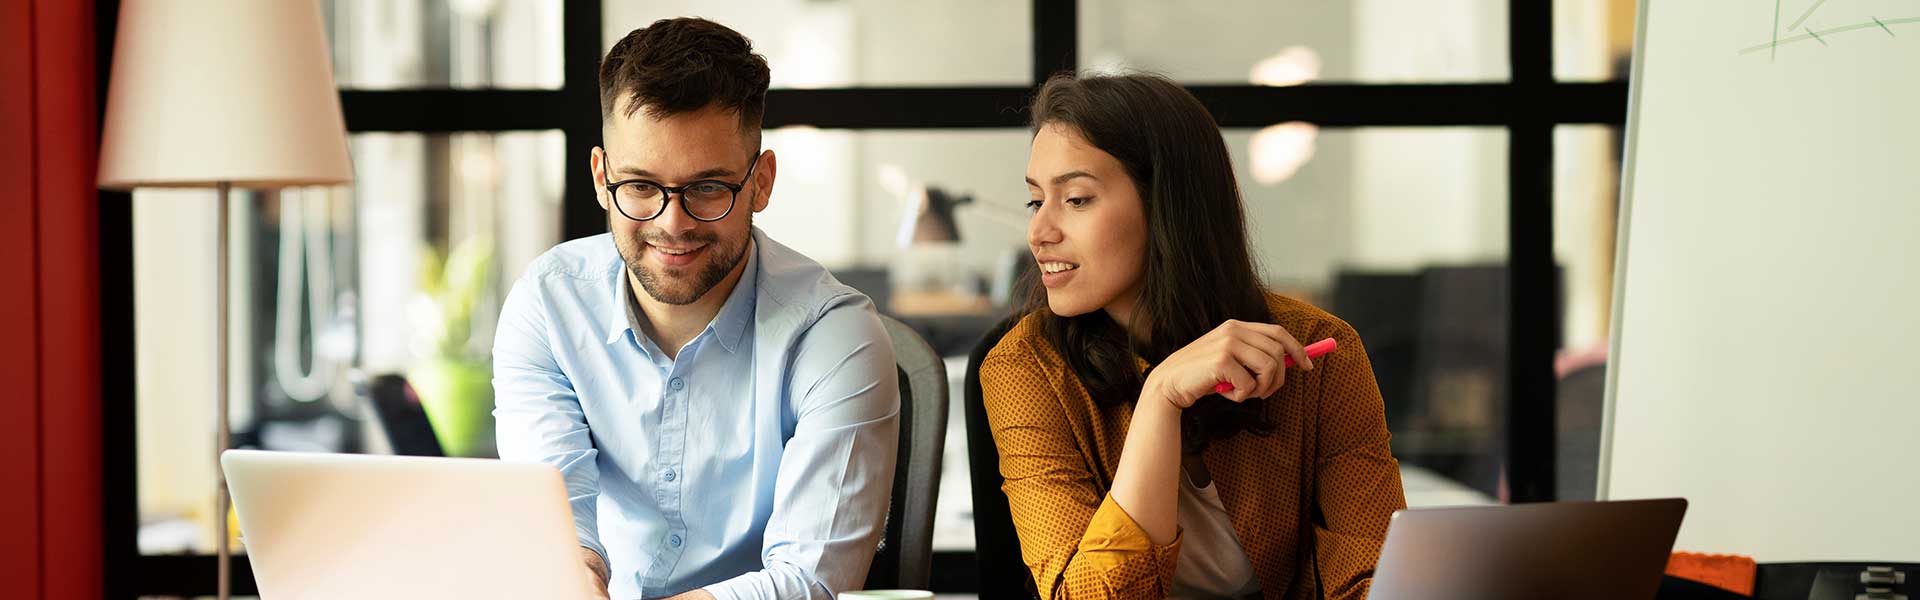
{"x": 222, "y": 91}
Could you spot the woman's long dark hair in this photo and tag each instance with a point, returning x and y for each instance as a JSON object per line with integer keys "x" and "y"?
{"x": 1198, "y": 271}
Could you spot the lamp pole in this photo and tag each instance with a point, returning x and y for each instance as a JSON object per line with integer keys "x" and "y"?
{"x": 222, "y": 427}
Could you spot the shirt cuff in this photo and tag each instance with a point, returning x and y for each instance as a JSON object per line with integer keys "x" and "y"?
{"x": 1114, "y": 539}
{"x": 587, "y": 532}
{"x": 1113, "y": 530}
{"x": 748, "y": 586}
{"x": 776, "y": 581}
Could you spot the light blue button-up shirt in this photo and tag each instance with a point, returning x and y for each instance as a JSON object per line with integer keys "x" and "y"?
{"x": 755, "y": 465}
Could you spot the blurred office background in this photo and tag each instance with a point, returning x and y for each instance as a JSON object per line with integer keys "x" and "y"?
{"x": 1390, "y": 153}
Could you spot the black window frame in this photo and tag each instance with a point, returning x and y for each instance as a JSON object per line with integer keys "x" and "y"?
{"x": 1529, "y": 106}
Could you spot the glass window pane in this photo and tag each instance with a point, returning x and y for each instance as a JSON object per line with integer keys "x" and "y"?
{"x": 888, "y": 172}
{"x": 1586, "y": 202}
{"x": 1592, "y": 39}
{"x": 382, "y": 45}
{"x": 812, "y": 44}
{"x": 1295, "y": 41}
{"x": 335, "y": 292}
{"x": 856, "y": 200}
{"x": 173, "y": 271}
{"x": 1401, "y": 232}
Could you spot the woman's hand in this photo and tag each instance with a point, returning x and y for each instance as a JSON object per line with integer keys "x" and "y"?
{"x": 1251, "y": 356}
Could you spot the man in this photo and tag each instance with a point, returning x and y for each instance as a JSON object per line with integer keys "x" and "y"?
{"x": 725, "y": 413}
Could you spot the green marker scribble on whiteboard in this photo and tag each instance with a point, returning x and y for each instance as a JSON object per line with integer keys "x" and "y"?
{"x": 1774, "y": 44}
{"x": 1804, "y": 15}
{"x": 1883, "y": 26}
{"x": 1811, "y": 35}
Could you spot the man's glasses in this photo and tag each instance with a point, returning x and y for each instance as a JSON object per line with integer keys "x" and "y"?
{"x": 705, "y": 200}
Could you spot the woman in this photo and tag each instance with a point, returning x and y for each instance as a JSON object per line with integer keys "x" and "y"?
{"x": 1127, "y": 475}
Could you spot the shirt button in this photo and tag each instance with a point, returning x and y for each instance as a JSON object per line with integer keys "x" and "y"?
{"x": 677, "y": 384}
{"x": 670, "y": 475}
{"x": 675, "y": 540}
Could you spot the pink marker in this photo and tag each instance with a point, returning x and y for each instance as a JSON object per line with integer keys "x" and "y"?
{"x": 1314, "y": 350}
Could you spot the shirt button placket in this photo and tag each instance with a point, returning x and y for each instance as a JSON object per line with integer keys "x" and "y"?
{"x": 673, "y": 453}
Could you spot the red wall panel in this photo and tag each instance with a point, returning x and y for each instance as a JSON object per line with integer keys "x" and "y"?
{"x": 69, "y": 286}
{"x": 50, "y": 511}
{"x": 20, "y": 533}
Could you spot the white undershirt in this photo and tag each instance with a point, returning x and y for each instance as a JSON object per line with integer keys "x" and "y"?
{"x": 1212, "y": 563}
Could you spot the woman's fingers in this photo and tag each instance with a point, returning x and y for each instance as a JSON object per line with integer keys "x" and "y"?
{"x": 1265, "y": 366}
{"x": 1229, "y": 369}
{"x": 1258, "y": 353}
{"x": 1292, "y": 346}
{"x": 1297, "y": 351}
{"x": 1264, "y": 340}
{"x": 1282, "y": 340}
{"x": 1279, "y": 378}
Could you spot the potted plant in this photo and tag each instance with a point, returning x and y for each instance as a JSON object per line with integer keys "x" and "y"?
{"x": 453, "y": 379}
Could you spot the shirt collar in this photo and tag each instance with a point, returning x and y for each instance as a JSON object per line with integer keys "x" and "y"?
{"x": 729, "y": 325}
{"x": 620, "y": 316}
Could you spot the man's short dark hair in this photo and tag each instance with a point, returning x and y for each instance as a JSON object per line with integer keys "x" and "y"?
{"x": 678, "y": 66}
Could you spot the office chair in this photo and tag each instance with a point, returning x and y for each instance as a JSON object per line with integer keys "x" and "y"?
{"x": 904, "y": 558}
{"x": 1002, "y": 572}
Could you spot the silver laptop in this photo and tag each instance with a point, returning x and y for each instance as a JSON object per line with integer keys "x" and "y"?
{"x": 1571, "y": 550}
{"x": 356, "y": 526}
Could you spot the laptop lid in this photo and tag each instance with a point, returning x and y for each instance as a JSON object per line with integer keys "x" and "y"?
{"x": 1572, "y": 550}
{"x": 358, "y": 526}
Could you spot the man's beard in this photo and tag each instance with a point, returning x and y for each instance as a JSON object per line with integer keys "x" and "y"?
{"x": 721, "y": 260}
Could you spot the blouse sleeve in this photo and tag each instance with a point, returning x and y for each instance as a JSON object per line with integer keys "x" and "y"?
{"x": 1357, "y": 477}
{"x": 1076, "y": 540}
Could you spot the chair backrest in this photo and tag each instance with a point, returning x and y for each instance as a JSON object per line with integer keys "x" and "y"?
{"x": 1002, "y": 572}
{"x": 397, "y": 411}
{"x": 1581, "y": 407}
{"x": 903, "y": 559}
{"x": 1383, "y": 308}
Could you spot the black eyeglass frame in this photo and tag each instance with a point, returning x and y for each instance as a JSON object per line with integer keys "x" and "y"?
{"x": 668, "y": 192}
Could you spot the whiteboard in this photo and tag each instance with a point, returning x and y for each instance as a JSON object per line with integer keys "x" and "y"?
{"x": 1766, "y": 330}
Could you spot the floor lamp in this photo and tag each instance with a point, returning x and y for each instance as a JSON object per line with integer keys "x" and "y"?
{"x": 222, "y": 94}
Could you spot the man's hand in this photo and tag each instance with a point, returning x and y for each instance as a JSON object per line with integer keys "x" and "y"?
{"x": 596, "y": 572}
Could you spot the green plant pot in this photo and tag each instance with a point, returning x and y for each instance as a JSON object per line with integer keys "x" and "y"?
{"x": 458, "y": 398}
